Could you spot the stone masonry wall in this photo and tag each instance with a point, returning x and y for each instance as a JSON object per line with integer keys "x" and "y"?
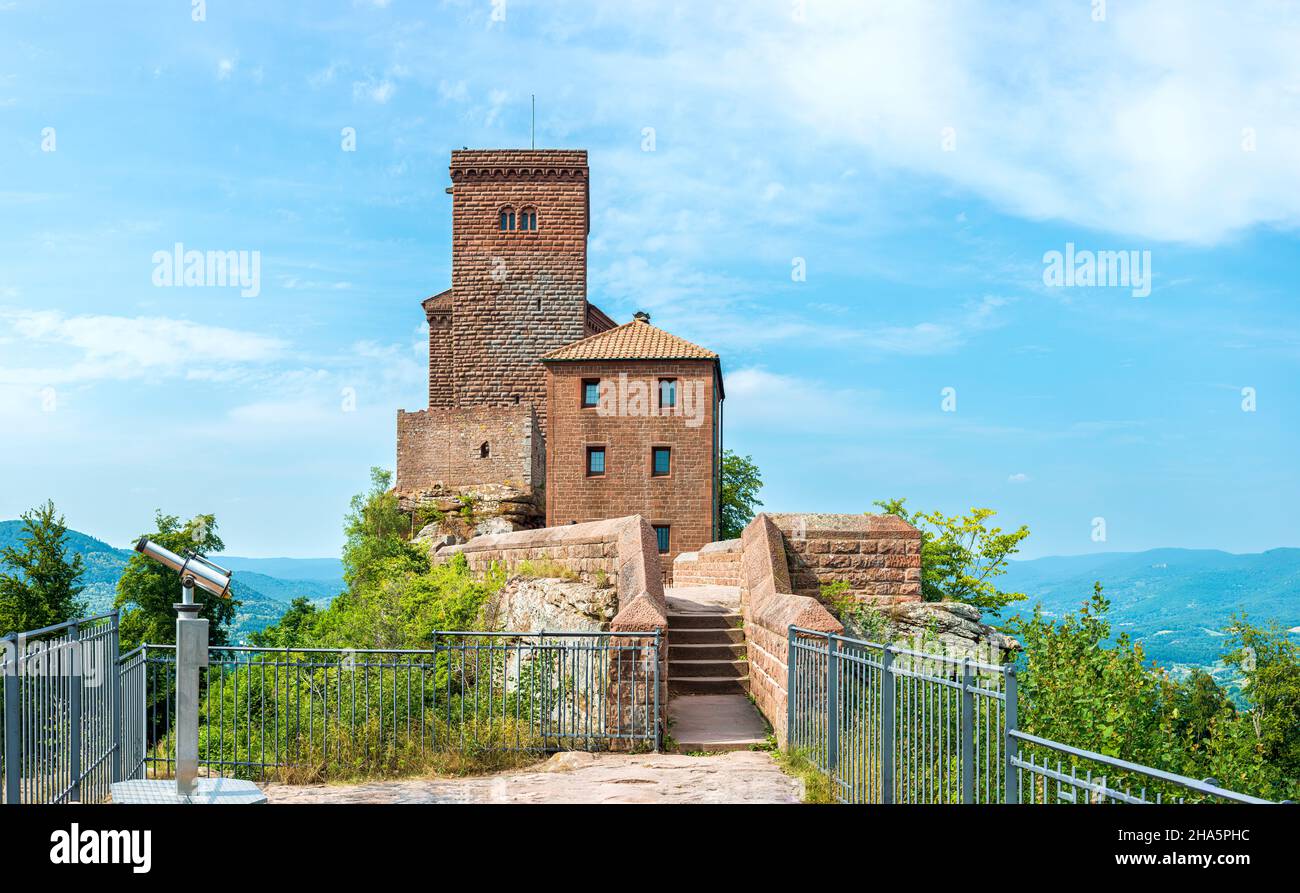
{"x": 439, "y": 448}
{"x": 516, "y": 295}
{"x": 879, "y": 556}
{"x": 716, "y": 564}
{"x": 769, "y": 610}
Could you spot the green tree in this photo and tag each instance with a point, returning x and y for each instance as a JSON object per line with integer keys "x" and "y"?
{"x": 296, "y": 628}
{"x": 961, "y": 555}
{"x": 146, "y": 590}
{"x": 1269, "y": 660}
{"x": 741, "y": 481}
{"x": 43, "y": 588}
{"x": 376, "y": 529}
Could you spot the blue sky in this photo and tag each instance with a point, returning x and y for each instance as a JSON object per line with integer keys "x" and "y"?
{"x": 919, "y": 158}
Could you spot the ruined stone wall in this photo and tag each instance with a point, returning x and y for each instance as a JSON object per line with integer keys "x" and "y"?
{"x": 438, "y": 449}
{"x": 878, "y": 556}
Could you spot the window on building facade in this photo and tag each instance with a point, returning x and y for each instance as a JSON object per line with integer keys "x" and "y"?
{"x": 667, "y": 393}
{"x": 590, "y": 391}
{"x": 528, "y": 219}
{"x": 484, "y": 450}
{"x": 595, "y": 461}
{"x": 661, "y": 461}
{"x": 507, "y": 220}
{"x": 662, "y": 534}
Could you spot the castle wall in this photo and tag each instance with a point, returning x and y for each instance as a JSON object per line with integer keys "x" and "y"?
{"x": 442, "y": 448}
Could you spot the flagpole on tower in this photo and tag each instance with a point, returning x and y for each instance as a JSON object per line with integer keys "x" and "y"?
{"x": 533, "y": 128}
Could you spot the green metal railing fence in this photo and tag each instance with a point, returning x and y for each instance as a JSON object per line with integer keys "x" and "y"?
{"x": 267, "y": 710}
{"x": 59, "y": 703}
{"x": 894, "y": 725}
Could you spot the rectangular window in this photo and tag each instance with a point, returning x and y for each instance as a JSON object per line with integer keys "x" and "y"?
{"x": 661, "y": 461}
{"x": 661, "y": 534}
{"x": 590, "y": 392}
{"x": 667, "y": 393}
{"x": 595, "y": 461}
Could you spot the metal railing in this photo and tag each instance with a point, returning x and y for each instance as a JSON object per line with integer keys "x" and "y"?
{"x": 59, "y": 704}
{"x": 893, "y": 725}
{"x": 265, "y": 711}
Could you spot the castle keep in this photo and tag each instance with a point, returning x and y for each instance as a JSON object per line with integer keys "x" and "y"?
{"x": 541, "y": 408}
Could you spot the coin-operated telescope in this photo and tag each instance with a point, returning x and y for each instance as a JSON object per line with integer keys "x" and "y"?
{"x": 191, "y": 649}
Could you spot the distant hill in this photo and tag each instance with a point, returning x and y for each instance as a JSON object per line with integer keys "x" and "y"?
{"x": 264, "y": 586}
{"x": 1177, "y": 602}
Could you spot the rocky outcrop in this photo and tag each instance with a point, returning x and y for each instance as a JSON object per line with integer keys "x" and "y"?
{"x": 467, "y": 512}
{"x": 527, "y": 604}
{"x": 948, "y": 628}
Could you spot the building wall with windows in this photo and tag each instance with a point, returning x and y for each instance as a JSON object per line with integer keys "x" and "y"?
{"x": 448, "y": 449}
{"x": 627, "y": 424}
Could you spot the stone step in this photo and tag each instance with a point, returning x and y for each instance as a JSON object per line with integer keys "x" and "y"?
{"x": 708, "y": 685}
{"x": 716, "y": 723}
{"x": 732, "y": 635}
{"x": 706, "y": 651}
{"x": 703, "y": 621}
{"x": 708, "y": 668}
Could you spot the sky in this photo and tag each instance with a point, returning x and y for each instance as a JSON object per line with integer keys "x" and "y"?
{"x": 855, "y": 204}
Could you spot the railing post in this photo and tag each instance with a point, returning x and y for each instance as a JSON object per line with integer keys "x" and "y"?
{"x": 655, "y": 661}
{"x": 13, "y": 735}
{"x": 789, "y": 687}
{"x": 74, "y": 712}
{"x": 967, "y": 733}
{"x": 115, "y": 701}
{"x": 1011, "y": 750}
{"x": 832, "y": 704}
{"x": 886, "y": 735}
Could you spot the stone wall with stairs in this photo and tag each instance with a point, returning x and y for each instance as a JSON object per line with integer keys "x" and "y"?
{"x": 716, "y": 564}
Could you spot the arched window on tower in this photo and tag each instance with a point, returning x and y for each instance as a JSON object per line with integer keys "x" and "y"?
{"x": 528, "y": 219}
{"x": 484, "y": 451}
{"x": 507, "y": 220}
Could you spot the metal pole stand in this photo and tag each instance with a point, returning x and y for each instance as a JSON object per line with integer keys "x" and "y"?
{"x": 191, "y": 655}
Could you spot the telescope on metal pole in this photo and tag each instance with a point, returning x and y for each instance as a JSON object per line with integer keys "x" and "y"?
{"x": 191, "y": 650}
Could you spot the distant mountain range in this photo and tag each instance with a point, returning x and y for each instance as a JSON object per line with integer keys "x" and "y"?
{"x": 1177, "y": 602}
{"x": 264, "y": 586}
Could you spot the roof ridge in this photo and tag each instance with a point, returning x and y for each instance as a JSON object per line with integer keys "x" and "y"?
{"x": 628, "y": 341}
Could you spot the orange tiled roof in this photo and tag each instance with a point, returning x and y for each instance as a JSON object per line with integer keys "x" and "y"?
{"x": 635, "y": 340}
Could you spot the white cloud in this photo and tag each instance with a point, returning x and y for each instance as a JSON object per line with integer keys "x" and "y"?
{"x": 1018, "y": 478}
{"x": 379, "y": 91}
{"x": 117, "y": 347}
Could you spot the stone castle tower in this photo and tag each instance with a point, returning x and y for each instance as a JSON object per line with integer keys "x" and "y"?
{"x": 541, "y": 409}
{"x": 520, "y": 221}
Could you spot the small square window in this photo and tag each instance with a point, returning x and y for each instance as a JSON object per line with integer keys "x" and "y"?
{"x": 590, "y": 392}
{"x": 667, "y": 393}
{"x": 661, "y": 461}
{"x": 662, "y": 536}
{"x": 595, "y": 461}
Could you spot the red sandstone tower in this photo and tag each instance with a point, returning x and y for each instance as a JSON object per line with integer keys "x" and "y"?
{"x": 517, "y": 355}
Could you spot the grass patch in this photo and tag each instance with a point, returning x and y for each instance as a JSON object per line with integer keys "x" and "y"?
{"x": 545, "y": 569}
{"x": 818, "y": 787}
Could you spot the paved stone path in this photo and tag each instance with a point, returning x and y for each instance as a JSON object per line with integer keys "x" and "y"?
{"x": 737, "y": 777}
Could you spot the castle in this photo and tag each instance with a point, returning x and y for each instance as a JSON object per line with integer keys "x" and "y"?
{"x": 540, "y": 406}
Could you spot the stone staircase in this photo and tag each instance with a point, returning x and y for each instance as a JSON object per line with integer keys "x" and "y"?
{"x": 706, "y": 654}
{"x": 716, "y": 564}
{"x": 708, "y": 675}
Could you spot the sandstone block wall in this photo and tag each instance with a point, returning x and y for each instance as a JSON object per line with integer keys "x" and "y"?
{"x": 715, "y": 564}
{"x": 878, "y": 556}
{"x": 442, "y": 448}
